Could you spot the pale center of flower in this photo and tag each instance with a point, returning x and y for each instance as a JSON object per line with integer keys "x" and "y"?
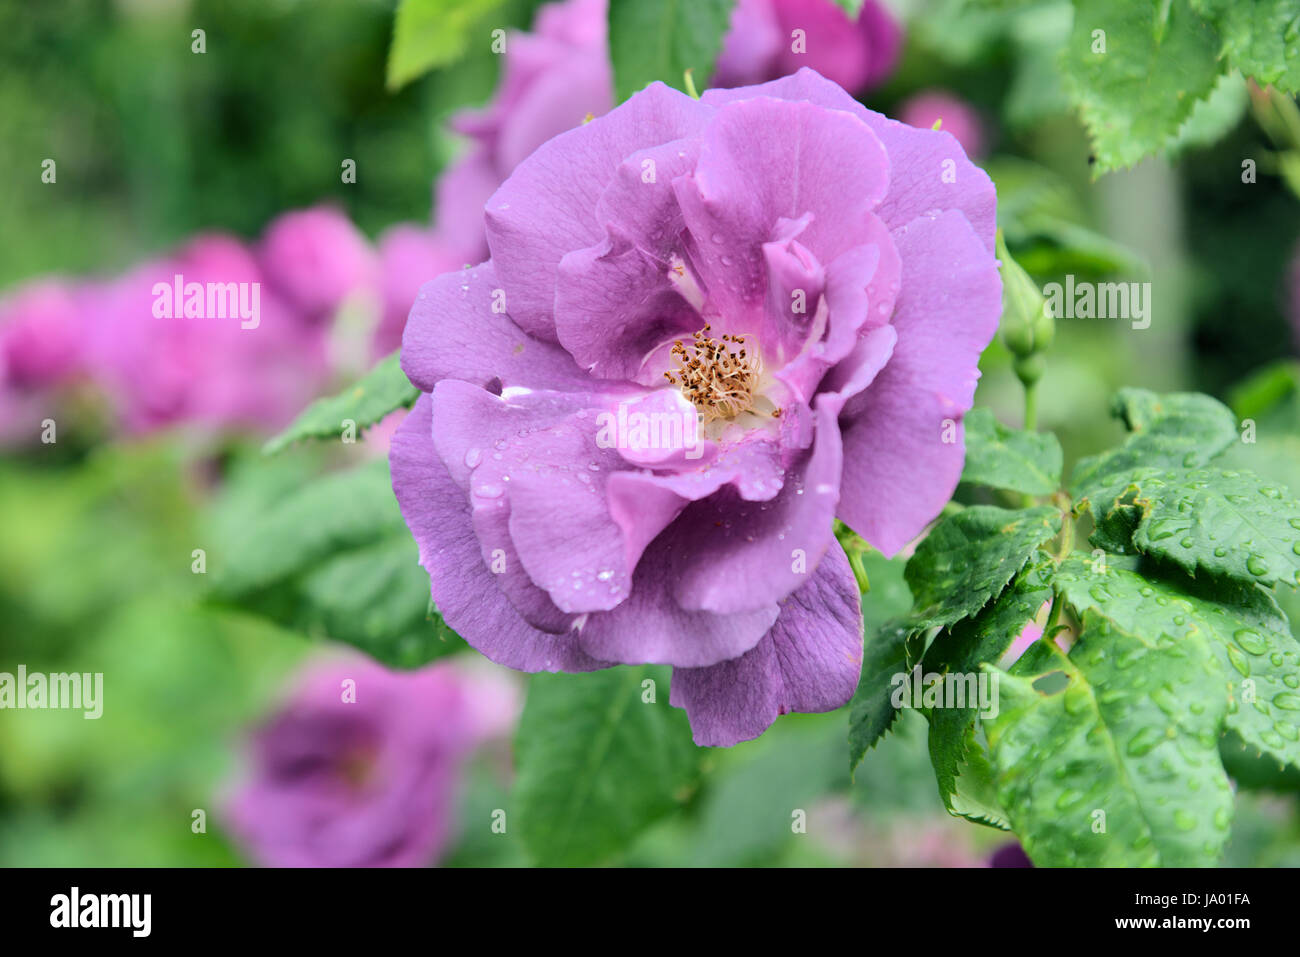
{"x": 357, "y": 767}
{"x": 717, "y": 376}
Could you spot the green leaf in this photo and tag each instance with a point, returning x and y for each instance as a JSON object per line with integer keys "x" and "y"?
{"x": 432, "y": 33}
{"x": 330, "y": 558}
{"x": 1159, "y": 60}
{"x": 1276, "y": 385}
{"x": 1184, "y": 429}
{"x": 970, "y": 556}
{"x": 871, "y": 712}
{"x": 961, "y": 764}
{"x": 1231, "y": 524}
{"x": 871, "y": 715}
{"x": 306, "y": 526}
{"x": 965, "y": 561}
{"x": 597, "y": 764}
{"x": 376, "y": 599}
{"x": 851, "y": 8}
{"x": 1258, "y": 660}
{"x": 1214, "y": 118}
{"x": 1011, "y": 459}
{"x": 966, "y": 777}
{"x": 1132, "y": 734}
{"x": 382, "y": 390}
{"x": 661, "y": 39}
{"x": 1254, "y": 771}
{"x": 1260, "y": 38}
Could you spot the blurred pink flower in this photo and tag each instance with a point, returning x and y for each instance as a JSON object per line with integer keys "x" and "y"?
{"x": 553, "y": 78}
{"x": 769, "y": 39}
{"x": 40, "y": 335}
{"x": 360, "y": 767}
{"x": 315, "y": 258}
{"x": 1030, "y": 634}
{"x": 41, "y": 354}
{"x": 159, "y": 370}
{"x": 957, "y": 116}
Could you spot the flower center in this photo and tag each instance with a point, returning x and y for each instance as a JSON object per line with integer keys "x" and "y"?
{"x": 357, "y": 767}
{"x": 717, "y": 376}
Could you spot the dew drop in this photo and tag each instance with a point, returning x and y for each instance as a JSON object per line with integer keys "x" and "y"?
{"x": 489, "y": 491}
{"x": 1250, "y": 641}
{"x": 1142, "y": 742}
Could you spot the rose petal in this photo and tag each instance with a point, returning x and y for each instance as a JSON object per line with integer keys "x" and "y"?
{"x": 436, "y": 511}
{"x": 809, "y": 662}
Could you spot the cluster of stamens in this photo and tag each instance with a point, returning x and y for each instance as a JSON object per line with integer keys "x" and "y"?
{"x": 716, "y": 380}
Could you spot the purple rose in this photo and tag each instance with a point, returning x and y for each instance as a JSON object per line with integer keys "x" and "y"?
{"x": 1010, "y": 855}
{"x": 553, "y": 78}
{"x": 360, "y": 767}
{"x": 794, "y": 292}
{"x": 315, "y": 258}
{"x": 954, "y": 114}
{"x": 772, "y": 38}
{"x": 558, "y": 75}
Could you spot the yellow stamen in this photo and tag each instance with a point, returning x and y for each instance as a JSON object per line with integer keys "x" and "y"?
{"x": 713, "y": 378}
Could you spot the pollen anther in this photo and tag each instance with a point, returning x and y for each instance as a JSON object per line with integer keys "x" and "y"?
{"x": 720, "y": 383}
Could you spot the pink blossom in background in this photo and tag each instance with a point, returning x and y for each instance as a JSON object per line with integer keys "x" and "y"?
{"x": 375, "y": 439}
{"x": 41, "y": 354}
{"x": 957, "y": 116}
{"x": 558, "y": 74}
{"x": 41, "y": 334}
{"x": 159, "y": 371}
{"x": 313, "y": 259}
{"x": 370, "y": 782}
{"x": 761, "y": 43}
{"x": 553, "y": 78}
{"x": 152, "y": 370}
{"x": 1028, "y": 635}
